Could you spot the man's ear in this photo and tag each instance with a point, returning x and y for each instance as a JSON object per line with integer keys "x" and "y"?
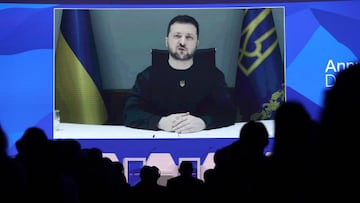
{"x": 166, "y": 42}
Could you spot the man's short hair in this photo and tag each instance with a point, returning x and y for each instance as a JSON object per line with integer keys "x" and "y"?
{"x": 184, "y": 19}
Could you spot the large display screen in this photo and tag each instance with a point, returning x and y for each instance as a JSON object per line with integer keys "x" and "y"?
{"x": 93, "y": 83}
{"x": 315, "y": 40}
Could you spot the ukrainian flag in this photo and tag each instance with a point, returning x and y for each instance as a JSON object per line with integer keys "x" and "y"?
{"x": 77, "y": 76}
{"x": 259, "y": 88}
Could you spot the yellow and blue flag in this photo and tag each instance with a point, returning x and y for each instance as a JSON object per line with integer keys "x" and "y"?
{"x": 259, "y": 88}
{"x": 77, "y": 76}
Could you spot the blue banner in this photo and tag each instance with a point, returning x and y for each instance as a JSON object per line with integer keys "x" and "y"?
{"x": 260, "y": 76}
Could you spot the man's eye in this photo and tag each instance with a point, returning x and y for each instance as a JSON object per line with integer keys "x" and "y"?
{"x": 189, "y": 37}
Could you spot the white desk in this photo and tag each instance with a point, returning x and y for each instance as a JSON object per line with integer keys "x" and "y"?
{"x": 85, "y": 131}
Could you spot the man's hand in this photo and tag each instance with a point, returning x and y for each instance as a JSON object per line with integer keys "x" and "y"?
{"x": 181, "y": 123}
{"x": 166, "y": 123}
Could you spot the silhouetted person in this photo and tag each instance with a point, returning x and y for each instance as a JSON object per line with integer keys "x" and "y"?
{"x": 13, "y": 185}
{"x": 185, "y": 187}
{"x": 96, "y": 178}
{"x": 242, "y": 166}
{"x": 121, "y": 185}
{"x": 210, "y": 185}
{"x": 209, "y": 176}
{"x": 45, "y": 182}
{"x": 339, "y": 135}
{"x": 147, "y": 188}
{"x": 65, "y": 156}
{"x": 291, "y": 169}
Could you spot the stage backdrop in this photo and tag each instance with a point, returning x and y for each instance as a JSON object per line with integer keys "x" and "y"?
{"x": 318, "y": 40}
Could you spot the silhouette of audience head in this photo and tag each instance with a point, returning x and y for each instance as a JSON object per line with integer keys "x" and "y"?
{"x": 255, "y": 135}
{"x": 186, "y": 168}
{"x": 292, "y": 127}
{"x": 290, "y": 117}
{"x": 157, "y": 173}
{"x": 33, "y": 141}
{"x": 209, "y": 175}
{"x": 339, "y": 133}
{"x": 94, "y": 155}
{"x": 339, "y": 130}
{"x": 118, "y": 166}
{"x": 3, "y": 142}
{"x": 341, "y": 101}
{"x": 149, "y": 174}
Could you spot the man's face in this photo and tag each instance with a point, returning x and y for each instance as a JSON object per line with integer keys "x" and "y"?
{"x": 182, "y": 41}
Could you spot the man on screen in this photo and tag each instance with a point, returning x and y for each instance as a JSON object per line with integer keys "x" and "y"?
{"x": 180, "y": 94}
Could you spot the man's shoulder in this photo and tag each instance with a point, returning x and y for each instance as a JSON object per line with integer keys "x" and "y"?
{"x": 155, "y": 68}
{"x": 175, "y": 179}
{"x": 147, "y": 70}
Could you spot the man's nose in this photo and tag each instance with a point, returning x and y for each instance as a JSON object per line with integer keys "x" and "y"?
{"x": 182, "y": 41}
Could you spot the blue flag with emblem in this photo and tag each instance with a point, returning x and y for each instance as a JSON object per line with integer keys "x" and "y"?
{"x": 259, "y": 88}
{"x": 77, "y": 76}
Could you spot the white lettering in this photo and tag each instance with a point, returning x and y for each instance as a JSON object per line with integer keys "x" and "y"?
{"x": 341, "y": 66}
{"x": 329, "y": 80}
{"x": 349, "y": 64}
{"x": 330, "y": 77}
{"x": 330, "y": 66}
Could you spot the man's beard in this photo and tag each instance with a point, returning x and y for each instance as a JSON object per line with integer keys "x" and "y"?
{"x": 185, "y": 57}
